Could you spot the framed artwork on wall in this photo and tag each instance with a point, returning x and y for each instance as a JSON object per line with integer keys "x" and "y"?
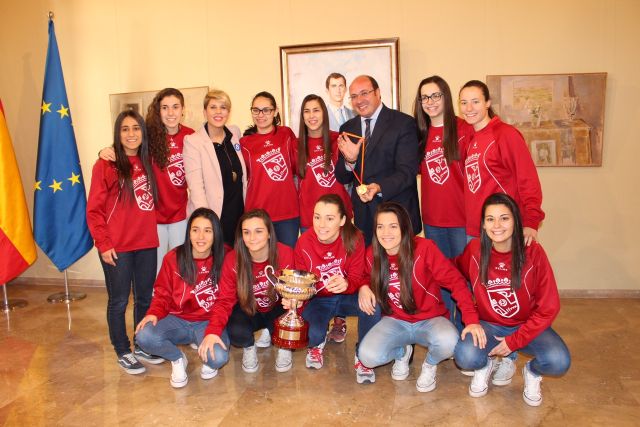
{"x": 561, "y": 116}
{"x": 305, "y": 69}
{"x": 139, "y": 101}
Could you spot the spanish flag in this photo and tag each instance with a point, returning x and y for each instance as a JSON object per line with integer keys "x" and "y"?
{"x": 17, "y": 248}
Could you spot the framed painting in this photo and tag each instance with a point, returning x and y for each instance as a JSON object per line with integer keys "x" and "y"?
{"x": 139, "y": 101}
{"x": 313, "y": 68}
{"x": 561, "y": 116}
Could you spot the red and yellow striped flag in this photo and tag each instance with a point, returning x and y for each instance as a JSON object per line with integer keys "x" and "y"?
{"x": 17, "y": 247}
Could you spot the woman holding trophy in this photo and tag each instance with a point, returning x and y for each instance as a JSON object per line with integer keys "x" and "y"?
{"x": 333, "y": 249}
{"x": 257, "y": 307}
{"x": 406, "y": 275}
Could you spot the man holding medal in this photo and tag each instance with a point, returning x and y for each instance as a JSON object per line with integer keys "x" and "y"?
{"x": 379, "y": 156}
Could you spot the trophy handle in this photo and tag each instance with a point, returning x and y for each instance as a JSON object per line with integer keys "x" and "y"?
{"x": 269, "y": 272}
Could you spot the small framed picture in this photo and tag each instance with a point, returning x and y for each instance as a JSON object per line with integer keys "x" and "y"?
{"x": 543, "y": 152}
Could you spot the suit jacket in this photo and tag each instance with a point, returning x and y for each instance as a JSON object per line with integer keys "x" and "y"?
{"x": 333, "y": 122}
{"x": 202, "y": 170}
{"x": 391, "y": 161}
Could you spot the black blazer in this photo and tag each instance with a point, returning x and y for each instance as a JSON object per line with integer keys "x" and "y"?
{"x": 391, "y": 160}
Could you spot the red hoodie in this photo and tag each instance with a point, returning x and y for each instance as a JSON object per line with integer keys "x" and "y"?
{"x": 533, "y": 307}
{"x": 115, "y": 220}
{"x": 431, "y": 270}
{"x": 327, "y": 260}
{"x": 498, "y": 161}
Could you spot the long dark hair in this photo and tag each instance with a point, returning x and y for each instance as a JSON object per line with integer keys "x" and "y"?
{"x": 380, "y": 269}
{"x": 450, "y": 131}
{"x": 303, "y": 137}
{"x": 244, "y": 263}
{"x": 485, "y": 92}
{"x": 123, "y": 166}
{"x": 349, "y": 233}
{"x": 276, "y": 119}
{"x": 518, "y": 256}
{"x": 184, "y": 252}
{"x": 158, "y": 146}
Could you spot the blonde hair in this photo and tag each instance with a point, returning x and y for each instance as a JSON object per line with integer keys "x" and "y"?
{"x": 218, "y": 95}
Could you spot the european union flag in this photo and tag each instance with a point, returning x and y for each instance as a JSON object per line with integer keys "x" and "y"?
{"x": 60, "y": 202}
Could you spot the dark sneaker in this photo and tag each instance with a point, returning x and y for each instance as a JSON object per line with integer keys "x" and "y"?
{"x": 338, "y": 331}
{"x": 146, "y": 357}
{"x": 130, "y": 364}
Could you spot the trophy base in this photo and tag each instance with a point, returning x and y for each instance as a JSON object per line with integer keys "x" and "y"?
{"x": 290, "y": 337}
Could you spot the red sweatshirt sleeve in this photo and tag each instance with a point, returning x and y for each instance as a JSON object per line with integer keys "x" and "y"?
{"x": 163, "y": 288}
{"x": 226, "y": 297}
{"x": 444, "y": 272}
{"x": 355, "y": 268}
{"x": 101, "y": 184}
{"x": 545, "y": 301}
{"x": 518, "y": 159}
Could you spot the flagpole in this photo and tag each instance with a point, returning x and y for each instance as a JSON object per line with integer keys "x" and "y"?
{"x": 66, "y": 296}
{"x": 9, "y": 305}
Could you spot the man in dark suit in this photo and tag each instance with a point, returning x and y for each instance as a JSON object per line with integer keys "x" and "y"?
{"x": 390, "y": 159}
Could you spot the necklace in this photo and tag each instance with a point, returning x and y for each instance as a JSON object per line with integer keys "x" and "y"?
{"x": 234, "y": 174}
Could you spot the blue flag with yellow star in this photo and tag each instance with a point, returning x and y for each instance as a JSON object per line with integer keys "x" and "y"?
{"x": 60, "y": 202}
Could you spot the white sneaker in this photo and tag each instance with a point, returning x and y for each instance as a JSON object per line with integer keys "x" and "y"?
{"x": 193, "y": 346}
{"x": 364, "y": 374}
{"x": 400, "y": 369}
{"x": 532, "y": 393}
{"x": 504, "y": 371}
{"x": 264, "y": 340}
{"x": 206, "y": 372}
{"x": 480, "y": 383}
{"x": 427, "y": 379}
{"x": 466, "y": 373}
{"x": 250, "y": 359}
{"x": 179, "y": 376}
{"x": 283, "y": 360}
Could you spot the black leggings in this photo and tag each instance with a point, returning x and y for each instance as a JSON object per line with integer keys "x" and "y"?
{"x": 241, "y": 326}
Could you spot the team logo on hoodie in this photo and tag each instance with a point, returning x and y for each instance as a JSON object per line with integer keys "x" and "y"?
{"x": 472, "y": 169}
{"x": 324, "y": 179}
{"x": 175, "y": 169}
{"x": 437, "y": 165}
{"x": 273, "y": 162}
{"x": 503, "y": 300}
{"x": 141, "y": 190}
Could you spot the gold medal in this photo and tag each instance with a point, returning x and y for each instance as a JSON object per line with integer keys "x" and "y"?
{"x": 361, "y": 189}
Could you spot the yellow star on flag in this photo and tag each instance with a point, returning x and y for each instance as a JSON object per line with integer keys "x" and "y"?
{"x": 45, "y": 107}
{"x": 63, "y": 111}
{"x": 57, "y": 185}
{"x": 75, "y": 179}
{"x": 36, "y": 186}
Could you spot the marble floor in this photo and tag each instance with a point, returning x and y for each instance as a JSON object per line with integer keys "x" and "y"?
{"x": 57, "y": 367}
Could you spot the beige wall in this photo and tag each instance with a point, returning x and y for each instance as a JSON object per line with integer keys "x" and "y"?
{"x": 113, "y": 46}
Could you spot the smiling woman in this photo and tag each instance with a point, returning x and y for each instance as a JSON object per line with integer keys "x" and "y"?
{"x": 122, "y": 220}
{"x": 215, "y": 170}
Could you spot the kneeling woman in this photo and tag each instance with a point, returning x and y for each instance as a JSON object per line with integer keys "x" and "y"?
{"x": 517, "y": 299}
{"x": 406, "y": 275}
{"x": 333, "y": 249}
{"x": 185, "y": 294}
{"x": 257, "y": 308}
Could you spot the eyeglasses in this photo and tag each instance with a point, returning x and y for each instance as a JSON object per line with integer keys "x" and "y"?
{"x": 435, "y": 97}
{"x": 265, "y": 111}
{"x": 362, "y": 94}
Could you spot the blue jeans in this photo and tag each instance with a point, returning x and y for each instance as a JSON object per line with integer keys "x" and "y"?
{"x": 387, "y": 340}
{"x": 163, "y": 338}
{"x": 320, "y": 310}
{"x": 550, "y": 353}
{"x": 241, "y": 326}
{"x": 135, "y": 269}
{"x": 451, "y": 241}
{"x": 287, "y": 231}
